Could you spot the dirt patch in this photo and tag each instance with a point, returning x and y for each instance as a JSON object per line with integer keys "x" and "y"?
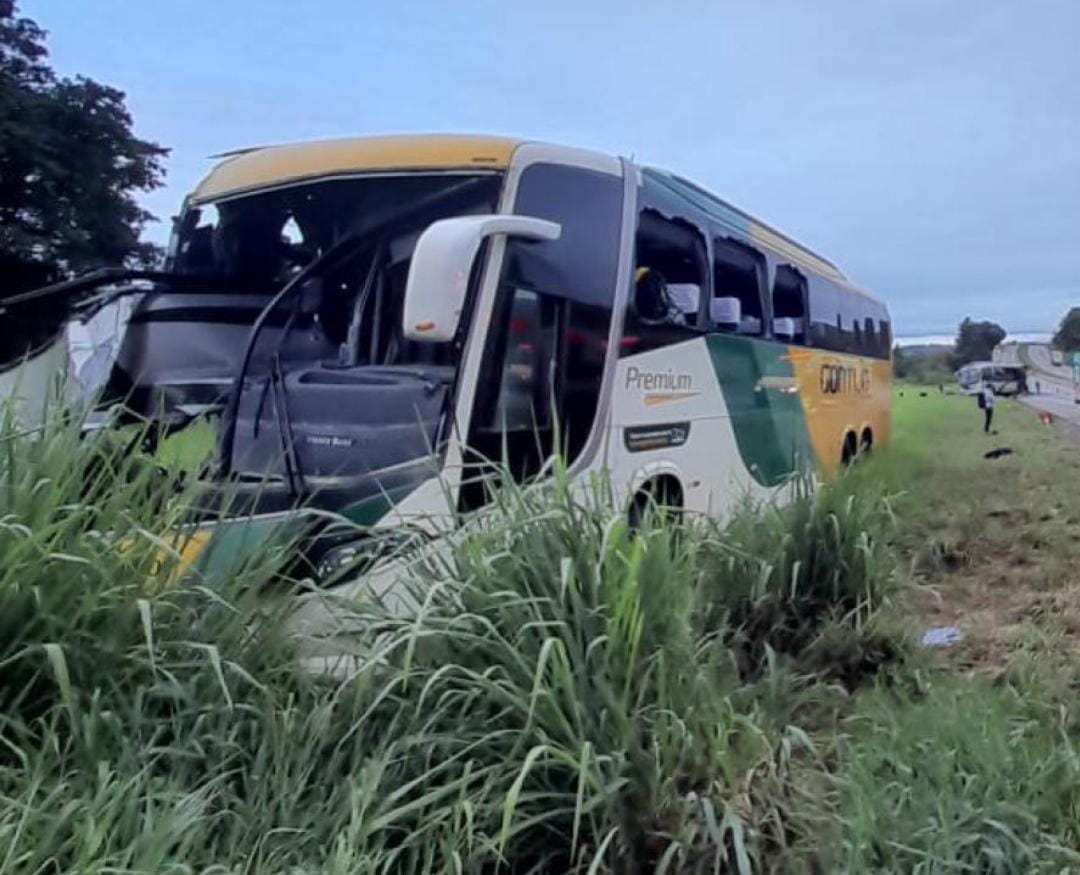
{"x": 1001, "y": 612}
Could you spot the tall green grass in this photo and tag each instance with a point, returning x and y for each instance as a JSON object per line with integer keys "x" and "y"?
{"x": 962, "y": 776}
{"x": 562, "y": 695}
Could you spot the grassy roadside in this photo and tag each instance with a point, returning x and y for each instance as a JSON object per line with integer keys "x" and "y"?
{"x": 968, "y": 760}
{"x": 993, "y": 545}
{"x": 568, "y": 698}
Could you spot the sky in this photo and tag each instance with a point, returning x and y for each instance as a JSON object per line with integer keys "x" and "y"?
{"x": 931, "y": 148}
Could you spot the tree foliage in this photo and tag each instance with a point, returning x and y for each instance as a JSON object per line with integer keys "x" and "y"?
{"x": 70, "y": 167}
{"x": 975, "y": 341}
{"x": 924, "y": 365}
{"x": 1067, "y": 337}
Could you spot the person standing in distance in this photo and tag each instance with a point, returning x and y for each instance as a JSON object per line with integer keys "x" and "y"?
{"x": 986, "y": 402}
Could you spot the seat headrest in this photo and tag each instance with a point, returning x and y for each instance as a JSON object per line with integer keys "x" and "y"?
{"x": 726, "y": 311}
{"x": 786, "y": 326}
{"x": 685, "y": 296}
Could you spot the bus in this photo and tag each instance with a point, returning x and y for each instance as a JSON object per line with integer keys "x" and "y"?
{"x": 372, "y": 320}
{"x": 1002, "y": 379}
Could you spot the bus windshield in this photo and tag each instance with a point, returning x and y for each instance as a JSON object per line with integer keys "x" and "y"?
{"x": 259, "y": 242}
{"x": 330, "y": 369}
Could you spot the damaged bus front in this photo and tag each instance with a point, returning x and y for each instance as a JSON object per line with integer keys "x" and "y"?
{"x": 332, "y": 405}
{"x": 422, "y": 322}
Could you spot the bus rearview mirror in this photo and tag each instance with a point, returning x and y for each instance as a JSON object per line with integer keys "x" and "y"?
{"x": 442, "y": 262}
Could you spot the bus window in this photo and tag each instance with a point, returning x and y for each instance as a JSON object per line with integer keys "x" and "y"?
{"x": 738, "y": 273}
{"x": 550, "y": 326}
{"x": 789, "y": 305}
{"x": 885, "y": 334}
{"x": 826, "y": 332}
{"x": 522, "y": 402}
{"x": 668, "y": 253}
{"x": 870, "y": 337}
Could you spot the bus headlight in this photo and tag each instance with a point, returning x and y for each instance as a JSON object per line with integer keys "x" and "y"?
{"x": 359, "y": 555}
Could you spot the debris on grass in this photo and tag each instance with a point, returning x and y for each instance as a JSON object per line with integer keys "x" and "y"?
{"x": 942, "y": 636}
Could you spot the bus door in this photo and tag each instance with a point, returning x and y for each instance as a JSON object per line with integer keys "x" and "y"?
{"x": 540, "y": 377}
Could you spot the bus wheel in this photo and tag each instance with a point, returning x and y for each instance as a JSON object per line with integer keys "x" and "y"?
{"x": 866, "y": 444}
{"x": 661, "y": 495}
{"x": 850, "y": 450}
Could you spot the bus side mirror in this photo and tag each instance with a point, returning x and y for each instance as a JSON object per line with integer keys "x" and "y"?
{"x": 442, "y": 262}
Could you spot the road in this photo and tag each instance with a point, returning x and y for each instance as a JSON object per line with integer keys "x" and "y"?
{"x": 1057, "y": 394}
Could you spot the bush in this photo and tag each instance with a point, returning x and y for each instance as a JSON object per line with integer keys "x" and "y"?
{"x": 774, "y": 579}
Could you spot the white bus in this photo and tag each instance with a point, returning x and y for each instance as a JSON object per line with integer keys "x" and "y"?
{"x": 1002, "y": 379}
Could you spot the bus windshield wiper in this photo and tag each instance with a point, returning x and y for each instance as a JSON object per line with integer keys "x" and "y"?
{"x": 279, "y": 398}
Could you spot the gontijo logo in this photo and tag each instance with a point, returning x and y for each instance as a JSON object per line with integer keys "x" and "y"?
{"x": 660, "y": 387}
{"x": 837, "y": 379}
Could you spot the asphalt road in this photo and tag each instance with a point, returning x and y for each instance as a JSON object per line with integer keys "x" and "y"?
{"x": 1057, "y": 394}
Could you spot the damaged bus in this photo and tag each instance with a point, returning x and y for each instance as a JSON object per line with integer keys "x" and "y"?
{"x": 373, "y": 319}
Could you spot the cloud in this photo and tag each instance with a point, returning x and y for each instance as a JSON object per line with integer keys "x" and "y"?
{"x": 930, "y": 147}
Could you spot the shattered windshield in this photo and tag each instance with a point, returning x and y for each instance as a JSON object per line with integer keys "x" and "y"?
{"x": 330, "y": 368}
{"x": 352, "y": 311}
{"x": 265, "y": 238}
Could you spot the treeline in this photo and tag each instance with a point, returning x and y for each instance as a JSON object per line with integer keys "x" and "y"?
{"x": 70, "y": 169}
{"x": 975, "y": 342}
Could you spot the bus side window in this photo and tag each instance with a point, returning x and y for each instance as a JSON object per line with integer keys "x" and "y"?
{"x": 870, "y": 337}
{"x": 670, "y": 261}
{"x": 789, "y": 305}
{"x": 885, "y": 335}
{"x": 738, "y": 284}
{"x": 826, "y": 332}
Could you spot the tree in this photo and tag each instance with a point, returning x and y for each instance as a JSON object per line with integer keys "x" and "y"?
{"x": 1067, "y": 337}
{"x": 900, "y": 365}
{"x": 70, "y": 167}
{"x": 975, "y": 341}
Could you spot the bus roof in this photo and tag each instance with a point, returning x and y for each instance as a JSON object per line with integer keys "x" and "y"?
{"x": 250, "y": 169}
{"x": 740, "y": 220}
{"x": 246, "y": 170}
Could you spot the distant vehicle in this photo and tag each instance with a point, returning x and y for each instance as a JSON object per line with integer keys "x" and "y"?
{"x": 1002, "y": 379}
{"x": 374, "y": 319}
{"x": 1057, "y": 357}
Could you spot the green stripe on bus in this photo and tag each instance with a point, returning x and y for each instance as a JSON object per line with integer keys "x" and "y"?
{"x": 766, "y": 416}
{"x": 370, "y": 510}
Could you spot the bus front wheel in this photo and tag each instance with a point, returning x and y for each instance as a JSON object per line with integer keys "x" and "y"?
{"x": 663, "y": 495}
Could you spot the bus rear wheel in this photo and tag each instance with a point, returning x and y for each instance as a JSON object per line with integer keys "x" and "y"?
{"x": 866, "y": 443}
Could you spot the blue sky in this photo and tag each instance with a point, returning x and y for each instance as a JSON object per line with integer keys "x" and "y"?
{"x": 930, "y": 147}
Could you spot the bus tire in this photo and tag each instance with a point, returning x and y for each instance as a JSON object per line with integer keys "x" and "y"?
{"x": 866, "y": 443}
{"x": 663, "y": 493}
{"x": 850, "y": 449}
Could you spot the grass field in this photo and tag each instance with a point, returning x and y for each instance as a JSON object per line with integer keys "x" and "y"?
{"x": 968, "y": 763}
{"x": 568, "y": 697}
